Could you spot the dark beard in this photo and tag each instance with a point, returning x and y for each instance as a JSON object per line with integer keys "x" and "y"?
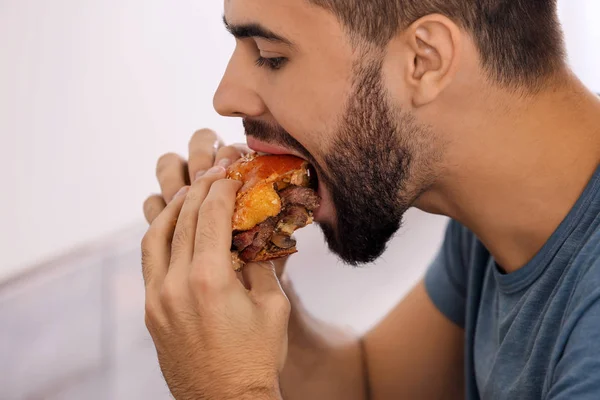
{"x": 367, "y": 172}
{"x": 366, "y": 169}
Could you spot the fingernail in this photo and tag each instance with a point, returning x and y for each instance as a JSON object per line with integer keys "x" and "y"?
{"x": 199, "y": 174}
{"x": 182, "y": 191}
{"x": 215, "y": 170}
{"x": 224, "y": 162}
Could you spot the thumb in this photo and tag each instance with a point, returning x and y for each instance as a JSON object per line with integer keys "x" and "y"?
{"x": 280, "y": 266}
{"x": 261, "y": 277}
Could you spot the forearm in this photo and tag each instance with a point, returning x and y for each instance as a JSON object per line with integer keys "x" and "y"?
{"x": 324, "y": 362}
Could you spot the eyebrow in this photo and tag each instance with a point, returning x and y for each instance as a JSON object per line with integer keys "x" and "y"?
{"x": 254, "y": 30}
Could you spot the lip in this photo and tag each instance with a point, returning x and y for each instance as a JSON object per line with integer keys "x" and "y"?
{"x": 264, "y": 147}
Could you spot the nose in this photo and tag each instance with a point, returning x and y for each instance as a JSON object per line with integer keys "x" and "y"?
{"x": 236, "y": 95}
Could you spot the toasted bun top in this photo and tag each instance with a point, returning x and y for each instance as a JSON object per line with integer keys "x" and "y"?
{"x": 255, "y": 168}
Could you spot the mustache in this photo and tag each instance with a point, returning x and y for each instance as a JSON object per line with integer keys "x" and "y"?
{"x": 274, "y": 134}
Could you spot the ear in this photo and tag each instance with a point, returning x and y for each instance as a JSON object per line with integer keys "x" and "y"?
{"x": 434, "y": 46}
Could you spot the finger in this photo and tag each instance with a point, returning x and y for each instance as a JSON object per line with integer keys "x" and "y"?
{"x": 202, "y": 150}
{"x": 153, "y": 206}
{"x": 231, "y": 153}
{"x": 212, "y": 255}
{"x": 261, "y": 278}
{"x": 156, "y": 244}
{"x": 171, "y": 171}
{"x": 182, "y": 248}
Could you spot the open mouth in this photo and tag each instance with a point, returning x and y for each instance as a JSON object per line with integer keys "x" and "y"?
{"x": 264, "y": 148}
{"x": 313, "y": 178}
{"x": 314, "y": 183}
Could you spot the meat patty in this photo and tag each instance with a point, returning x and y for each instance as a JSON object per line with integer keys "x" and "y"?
{"x": 299, "y": 195}
{"x": 274, "y": 234}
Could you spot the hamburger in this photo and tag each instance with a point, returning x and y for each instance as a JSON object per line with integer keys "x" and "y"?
{"x": 277, "y": 198}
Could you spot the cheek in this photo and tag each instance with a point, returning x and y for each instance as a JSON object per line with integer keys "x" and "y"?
{"x": 309, "y": 108}
{"x": 301, "y": 123}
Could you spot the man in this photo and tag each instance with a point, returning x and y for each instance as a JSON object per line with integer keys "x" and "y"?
{"x": 462, "y": 108}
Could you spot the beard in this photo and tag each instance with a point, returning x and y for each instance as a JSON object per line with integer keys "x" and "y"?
{"x": 367, "y": 168}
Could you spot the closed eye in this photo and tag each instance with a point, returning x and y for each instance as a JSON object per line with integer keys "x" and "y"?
{"x": 274, "y": 63}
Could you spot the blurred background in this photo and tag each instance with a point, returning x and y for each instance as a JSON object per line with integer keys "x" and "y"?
{"x": 92, "y": 92}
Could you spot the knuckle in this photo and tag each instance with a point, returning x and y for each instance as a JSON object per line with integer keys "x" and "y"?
{"x": 192, "y": 195}
{"x": 152, "y": 314}
{"x": 148, "y": 205}
{"x": 150, "y": 208}
{"x": 202, "y": 156}
{"x": 204, "y": 182}
{"x": 229, "y": 151}
{"x": 214, "y": 205}
{"x": 171, "y": 296}
{"x": 165, "y": 160}
{"x": 200, "y": 281}
{"x": 204, "y": 134}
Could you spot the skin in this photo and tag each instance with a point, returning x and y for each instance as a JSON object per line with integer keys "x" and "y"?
{"x": 508, "y": 164}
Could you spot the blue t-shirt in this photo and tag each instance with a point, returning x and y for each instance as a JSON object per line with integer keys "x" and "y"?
{"x": 534, "y": 333}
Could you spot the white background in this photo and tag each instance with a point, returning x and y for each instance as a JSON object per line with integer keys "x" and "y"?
{"x": 93, "y": 91}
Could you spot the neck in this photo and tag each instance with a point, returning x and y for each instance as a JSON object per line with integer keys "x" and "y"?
{"x": 525, "y": 172}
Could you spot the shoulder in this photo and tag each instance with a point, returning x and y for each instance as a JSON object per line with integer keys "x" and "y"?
{"x": 580, "y": 351}
{"x": 447, "y": 278}
{"x": 586, "y": 267}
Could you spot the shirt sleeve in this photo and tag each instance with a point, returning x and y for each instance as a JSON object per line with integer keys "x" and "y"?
{"x": 577, "y": 374}
{"x": 446, "y": 278}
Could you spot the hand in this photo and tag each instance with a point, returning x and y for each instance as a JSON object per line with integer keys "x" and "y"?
{"x": 214, "y": 338}
{"x": 173, "y": 172}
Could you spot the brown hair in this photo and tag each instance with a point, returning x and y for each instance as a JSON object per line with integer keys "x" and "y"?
{"x": 520, "y": 41}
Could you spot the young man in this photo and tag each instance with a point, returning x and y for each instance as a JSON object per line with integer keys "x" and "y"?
{"x": 463, "y": 108}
